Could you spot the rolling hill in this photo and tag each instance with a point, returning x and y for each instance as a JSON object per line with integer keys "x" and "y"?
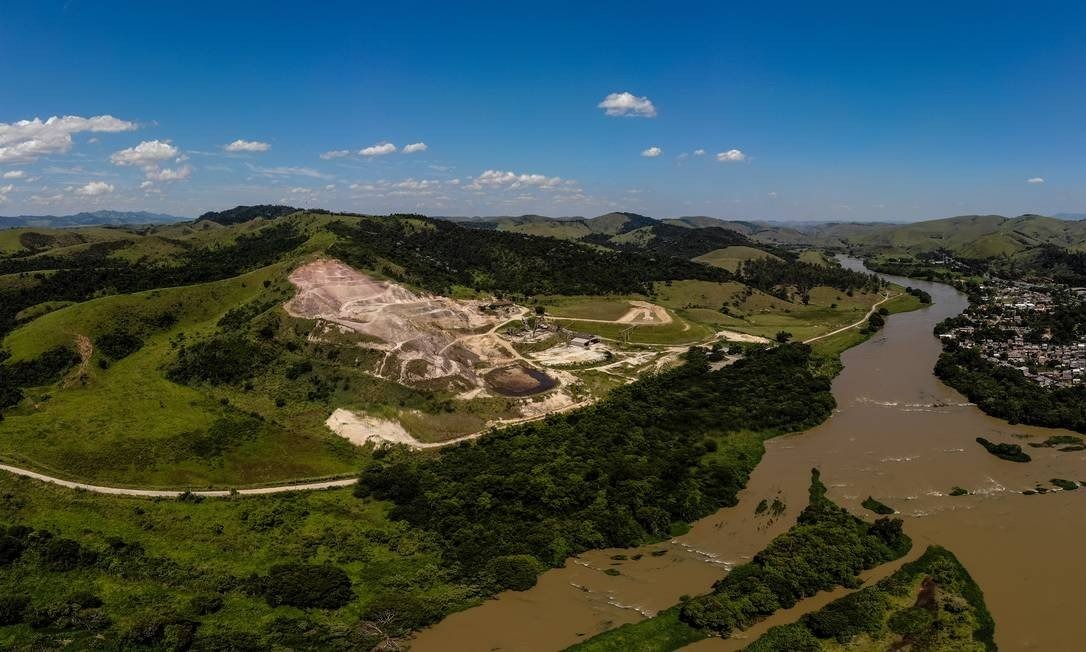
{"x": 95, "y": 218}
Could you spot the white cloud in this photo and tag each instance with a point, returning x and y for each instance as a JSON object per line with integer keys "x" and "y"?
{"x": 699, "y": 152}
{"x": 335, "y": 153}
{"x": 414, "y": 147}
{"x": 149, "y": 152}
{"x": 146, "y": 184}
{"x": 731, "y": 156}
{"x": 284, "y": 171}
{"x": 652, "y": 152}
{"x": 247, "y": 146}
{"x": 683, "y": 156}
{"x": 330, "y": 186}
{"x": 380, "y": 149}
{"x": 14, "y": 174}
{"x": 772, "y": 193}
{"x": 47, "y": 199}
{"x": 627, "y": 104}
{"x": 26, "y": 140}
{"x": 94, "y": 189}
{"x": 512, "y": 180}
{"x": 167, "y": 174}
{"x": 1035, "y": 180}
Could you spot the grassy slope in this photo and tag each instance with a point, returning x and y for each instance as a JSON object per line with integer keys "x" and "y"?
{"x": 696, "y": 307}
{"x": 730, "y": 258}
{"x": 123, "y": 423}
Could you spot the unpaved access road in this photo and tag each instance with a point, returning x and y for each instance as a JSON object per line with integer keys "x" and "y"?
{"x": 173, "y": 493}
{"x": 874, "y": 307}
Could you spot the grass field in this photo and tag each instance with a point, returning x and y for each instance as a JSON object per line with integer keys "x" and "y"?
{"x": 586, "y": 307}
{"x": 730, "y": 258}
{"x": 679, "y": 331}
{"x": 813, "y": 257}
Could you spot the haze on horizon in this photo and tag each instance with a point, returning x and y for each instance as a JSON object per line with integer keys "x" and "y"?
{"x": 854, "y": 112}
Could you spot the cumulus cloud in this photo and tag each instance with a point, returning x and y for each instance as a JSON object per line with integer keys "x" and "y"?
{"x": 380, "y": 149}
{"x": 147, "y": 153}
{"x": 335, "y": 153}
{"x": 699, "y": 152}
{"x": 146, "y": 184}
{"x": 14, "y": 174}
{"x": 26, "y": 140}
{"x": 652, "y": 152}
{"x": 247, "y": 146}
{"x": 628, "y": 105}
{"x": 168, "y": 174}
{"x": 731, "y": 156}
{"x": 1035, "y": 180}
{"x": 414, "y": 147}
{"x": 512, "y": 180}
{"x": 94, "y": 189}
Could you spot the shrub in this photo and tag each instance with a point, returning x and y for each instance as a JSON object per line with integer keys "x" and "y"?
{"x": 307, "y": 585}
{"x": 911, "y": 621}
{"x": 64, "y": 554}
{"x": 118, "y": 344}
{"x": 515, "y": 572}
{"x": 13, "y": 608}
{"x": 10, "y": 549}
{"x": 205, "y": 604}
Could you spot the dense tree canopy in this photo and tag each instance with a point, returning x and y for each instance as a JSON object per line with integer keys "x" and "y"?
{"x": 439, "y": 255}
{"x": 616, "y": 474}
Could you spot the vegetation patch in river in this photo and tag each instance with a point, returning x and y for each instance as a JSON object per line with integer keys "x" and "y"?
{"x": 929, "y": 604}
{"x": 1066, "y": 485}
{"x": 1064, "y": 443}
{"x": 1009, "y": 452}
{"x": 877, "y": 507}
{"x": 827, "y": 548}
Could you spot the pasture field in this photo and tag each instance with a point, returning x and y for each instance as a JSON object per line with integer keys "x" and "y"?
{"x": 587, "y": 307}
{"x": 730, "y": 258}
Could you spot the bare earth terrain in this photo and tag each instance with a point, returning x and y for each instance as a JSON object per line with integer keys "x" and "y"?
{"x": 425, "y": 337}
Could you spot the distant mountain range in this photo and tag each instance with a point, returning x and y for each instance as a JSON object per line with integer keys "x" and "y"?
{"x": 95, "y": 218}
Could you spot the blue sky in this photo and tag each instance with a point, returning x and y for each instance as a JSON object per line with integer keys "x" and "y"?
{"x": 804, "y": 111}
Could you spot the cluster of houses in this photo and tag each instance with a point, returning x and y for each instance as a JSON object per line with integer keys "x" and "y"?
{"x": 1000, "y": 327}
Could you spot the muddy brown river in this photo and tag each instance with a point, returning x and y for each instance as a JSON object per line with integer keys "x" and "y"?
{"x": 898, "y": 434}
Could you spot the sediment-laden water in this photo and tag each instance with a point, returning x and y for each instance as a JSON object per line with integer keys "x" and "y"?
{"x": 899, "y": 435}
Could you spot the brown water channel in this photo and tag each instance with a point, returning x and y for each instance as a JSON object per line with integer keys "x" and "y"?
{"x": 899, "y": 435}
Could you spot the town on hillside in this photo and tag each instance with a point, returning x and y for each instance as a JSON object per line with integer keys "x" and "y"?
{"x": 1037, "y": 328}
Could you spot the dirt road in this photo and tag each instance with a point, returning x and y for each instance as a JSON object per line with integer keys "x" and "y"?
{"x": 173, "y": 493}
{"x": 859, "y": 323}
